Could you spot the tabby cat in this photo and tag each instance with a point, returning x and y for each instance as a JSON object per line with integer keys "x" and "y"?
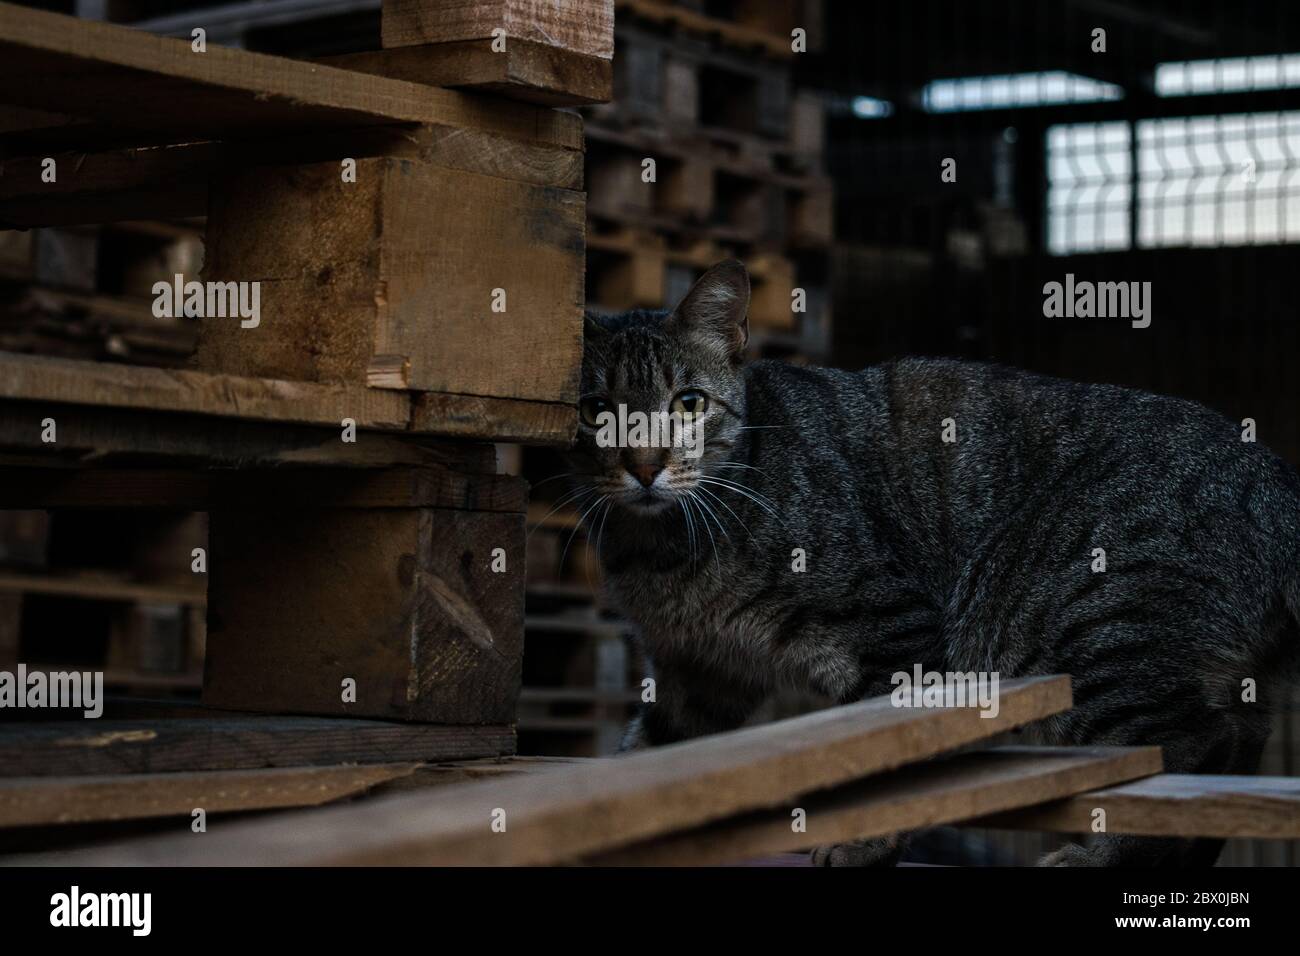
{"x": 966, "y": 545}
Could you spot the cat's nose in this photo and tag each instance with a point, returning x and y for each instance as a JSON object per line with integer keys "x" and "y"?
{"x": 645, "y": 474}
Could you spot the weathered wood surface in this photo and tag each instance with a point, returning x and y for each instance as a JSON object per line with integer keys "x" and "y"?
{"x": 36, "y": 801}
{"x": 84, "y": 398}
{"x": 569, "y": 813}
{"x": 583, "y": 26}
{"x": 131, "y": 79}
{"x": 171, "y": 181}
{"x": 71, "y": 381}
{"x": 404, "y": 602}
{"x": 106, "y": 435}
{"x": 524, "y": 70}
{"x": 469, "y": 416}
{"x": 88, "y": 747}
{"x": 1172, "y": 804}
{"x": 431, "y": 486}
{"x": 446, "y": 281}
{"x": 930, "y": 794}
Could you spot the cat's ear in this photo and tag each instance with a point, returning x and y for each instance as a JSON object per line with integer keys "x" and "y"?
{"x": 717, "y": 307}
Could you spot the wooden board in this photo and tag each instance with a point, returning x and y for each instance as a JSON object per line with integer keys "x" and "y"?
{"x": 406, "y": 263}
{"x": 96, "y": 588}
{"x": 69, "y": 381}
{"x": 931, "y": 794}
{"x": 431, "y": 486}
{"x": 1171, "y": 804}
{"x": 583, "y": 26}
{"x": 171, "y": 181}
{"x": 507, "y": 420}
{"x": 525, "y": 70}
{"x": 404, "y": 602}
{"x": 36, "y": 801}
{"x": 131, "y": 79}
{"x": 52, "y": 387}
{"x": 738, "y": 35}
{"x": 88, "y": 747}
{"x": 568, "y": 813}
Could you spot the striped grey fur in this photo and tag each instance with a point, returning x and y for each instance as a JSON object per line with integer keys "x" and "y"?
{"x": 975, "y": 554}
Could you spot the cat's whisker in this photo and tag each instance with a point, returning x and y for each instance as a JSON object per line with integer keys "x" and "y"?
{"x": 692, "y": 501}
{"x": 567, "y": 474}
{"x": 609, "y": 503}
{"x": 565, "y": 499}
{"x": 690, "y": 530}
{"x": 717, "y": 564}
{"x": 578, "y": 525}
{"x": 737, "y": 464}
{"x": 712, "y": 495}
{"x": 759, "y": 499}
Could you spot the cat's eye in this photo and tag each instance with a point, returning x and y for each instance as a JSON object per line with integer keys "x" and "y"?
{"x": 591, "y": 407}
{"x": 690, "y": 403}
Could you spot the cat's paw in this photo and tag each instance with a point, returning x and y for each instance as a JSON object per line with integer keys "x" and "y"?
{"x": 884, "y": 851}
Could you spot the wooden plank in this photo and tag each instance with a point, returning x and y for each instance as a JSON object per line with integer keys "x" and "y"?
{"x": 569, "y": 813}
{"x": 583, "y": 26}
{"x": 171, "y": 181}
{"x": 431, "y": 486}
{"x": 1172, "y": 804}
{"x": 525, "y": 70}
{"x": 507, "y": 420}
{"x": 69, "y": 381}
{"x": 415, "y": 605}
{"x": 738, "y": 35}
{"x": 456, "y": 282}
{"x": 106, "y": 434}
{"x": 931, "y": 794}
{"x": 96, "y": 588}
{"x": 37, "y": 801}
{"x": 89, "y": 747}
{"x": 132, "y": 79}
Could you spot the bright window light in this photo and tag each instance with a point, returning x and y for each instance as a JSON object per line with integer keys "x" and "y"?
{"x": 1235, "y": 75}
{"x": 1230, "y": 180}
{"x": 868, "y": 107}
{"x": 1014, "y": 90}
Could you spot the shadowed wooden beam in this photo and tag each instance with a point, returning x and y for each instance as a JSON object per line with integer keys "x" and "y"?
{"x": 132, "y": 79}
{"x": 565, "y": 814}
{"x": 36, "y": 801}
{"x": 932, "y": 794}
{"x": 1172, "y": 804}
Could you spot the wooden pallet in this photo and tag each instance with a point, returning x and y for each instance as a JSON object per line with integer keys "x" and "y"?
{"x": 364, "y": 559}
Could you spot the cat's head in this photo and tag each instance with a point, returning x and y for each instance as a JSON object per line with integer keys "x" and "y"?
{"x": 663, "y": 393}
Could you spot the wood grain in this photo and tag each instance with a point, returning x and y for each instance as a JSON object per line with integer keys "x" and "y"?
{"x": 568, "y": 813}
{"x": 525, "y": 70}
{"x": 1171, "y": 804}
{"x": 89, "y": 747}
{"x": 406, "y": 263}
{"x": 131, "y": 79}
{"x": 431, "y": 486}
{"x": 404, "y": 601}
{"x": 171, "y": 181}
{"x": 930, "y": 794}
{"x": 71, "y": 381}
{"x": 36, "y": 801}
{"x": 584, "y": 26}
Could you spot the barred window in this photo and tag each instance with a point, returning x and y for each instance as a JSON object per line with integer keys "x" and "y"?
{"x": 1089, "y": 187}
{"x": 1200, "y": 181}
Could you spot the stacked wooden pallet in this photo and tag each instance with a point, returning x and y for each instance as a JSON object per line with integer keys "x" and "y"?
{"x": 862, "y": 771}
{"x": 707, "y": 150}
{"x": 416, "y": 254}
